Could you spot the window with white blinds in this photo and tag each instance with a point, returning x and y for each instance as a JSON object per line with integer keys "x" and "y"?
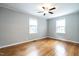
{"x": 32, "y": 25}
{"x": 60, "y": 26}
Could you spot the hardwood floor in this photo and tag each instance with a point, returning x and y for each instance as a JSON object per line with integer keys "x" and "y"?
{"x": 43, "y": 47}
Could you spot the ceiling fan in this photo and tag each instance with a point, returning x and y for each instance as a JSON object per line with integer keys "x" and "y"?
{"x": 47, "y": 10}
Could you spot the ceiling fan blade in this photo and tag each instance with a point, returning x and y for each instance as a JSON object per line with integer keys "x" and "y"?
{"x": 40, "y": 12}
{"x": 51, "y": 12}
{"x": 44, "y": 14}
{"x": 43, "y": 7}
{"x": 52, "y": 8}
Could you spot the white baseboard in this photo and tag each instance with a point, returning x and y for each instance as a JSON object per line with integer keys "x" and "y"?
{"x": 64, "y": 40}
{"x": 21, "y": 42}
{"x": 38, "y": 39}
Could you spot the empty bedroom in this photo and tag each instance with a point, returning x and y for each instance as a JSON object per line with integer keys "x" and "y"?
{"x": 39, "y": 29}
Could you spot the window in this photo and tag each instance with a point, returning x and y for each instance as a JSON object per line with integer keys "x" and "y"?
{"x": 32, "y": 25}
{"x": 60, "y": 26}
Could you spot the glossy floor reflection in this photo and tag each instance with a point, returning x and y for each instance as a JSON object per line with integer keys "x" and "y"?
{"x": 43, "y": 47}
{"x": 60, "y": 50}
{"x": 32, "y": 51}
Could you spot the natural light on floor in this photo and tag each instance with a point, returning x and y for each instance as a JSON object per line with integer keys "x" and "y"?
{"x": 32, "y": 51}
{"x": 60, "y": 50}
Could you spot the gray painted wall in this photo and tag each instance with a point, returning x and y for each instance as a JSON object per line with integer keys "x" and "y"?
{"x": 72, "y": 27}
{"x": 14, "y": 27}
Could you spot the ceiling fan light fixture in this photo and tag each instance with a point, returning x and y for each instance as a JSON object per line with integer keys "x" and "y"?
{"x": 47, "y": 8}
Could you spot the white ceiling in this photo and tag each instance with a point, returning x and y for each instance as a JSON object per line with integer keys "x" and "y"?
{"x": 32, "y": 8}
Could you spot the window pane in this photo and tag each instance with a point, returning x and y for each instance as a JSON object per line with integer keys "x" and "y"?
{"x": 33, "y": 30}
{"x": 60, "y": 23}
{"x": 32, "y": 25}
{"x": 60, "y": 26}
{"x": 32, "y": 21}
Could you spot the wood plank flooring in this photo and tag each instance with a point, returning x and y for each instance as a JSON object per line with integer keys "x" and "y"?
{"x": 43, "y": 47}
